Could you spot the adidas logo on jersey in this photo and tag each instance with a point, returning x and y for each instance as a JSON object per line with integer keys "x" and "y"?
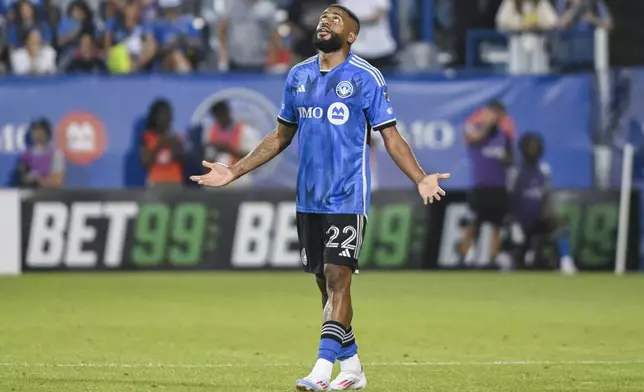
{"x": 345, "y": 253}
{"x": 301, "y": 89}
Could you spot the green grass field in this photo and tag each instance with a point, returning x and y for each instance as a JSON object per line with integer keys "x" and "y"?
{"x": 447, "y": 332}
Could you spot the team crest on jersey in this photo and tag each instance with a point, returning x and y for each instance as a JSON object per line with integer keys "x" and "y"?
{"x": 344, "y": 89}
{"x": 303, "y": 257}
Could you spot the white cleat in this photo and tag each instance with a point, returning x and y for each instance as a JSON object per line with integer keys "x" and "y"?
{"x": 347, "y": 381}
{"x": 309, "y": 383}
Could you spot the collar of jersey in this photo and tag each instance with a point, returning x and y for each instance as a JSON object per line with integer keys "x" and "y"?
{"x": 328, "y": 71}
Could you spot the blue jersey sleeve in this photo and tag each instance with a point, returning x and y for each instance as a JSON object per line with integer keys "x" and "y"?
{"x": 376, "y": 103}
{"x": 288, "y": 112}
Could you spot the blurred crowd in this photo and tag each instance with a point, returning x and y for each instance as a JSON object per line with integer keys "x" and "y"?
{"x": 127, "y": 36}
{"x": 530, "y": 24}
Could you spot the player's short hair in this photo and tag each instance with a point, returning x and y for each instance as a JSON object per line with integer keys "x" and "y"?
{"x": 351, "y": 14}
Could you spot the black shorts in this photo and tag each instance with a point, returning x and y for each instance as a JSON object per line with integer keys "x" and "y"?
{"x": 489, "y": 205}
{"x": 330, "y": 239}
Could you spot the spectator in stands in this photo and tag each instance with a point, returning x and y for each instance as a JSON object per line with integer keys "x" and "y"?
{"x": 173, "y": 40}
{"x": 248, "y": 38}
{"x": 586, "y": 14}
{"x": 124, "y": 37}
{"x": 35, "y": 58}
{"x": 27, "y": 18}
{"x": 229, "y": 139}
{"x": 108, "y": 10}
{"x": 5, "y": 11}
{"x": 95, "y": 6}
{"x": 79, "y": 21}
{"x": 376, "y": 43}
{"x": 579, "y": 19}
{"x": 162, "y": 150}
{"x": 489, "y": 134}
{"x": 42, "y": 165}
{"x": 87, "y": 59}
{"x": 526, "y": 21}
{"x": 9, "y": 10}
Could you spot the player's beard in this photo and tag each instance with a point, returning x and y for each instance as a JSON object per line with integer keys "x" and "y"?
{"x": 333, "y": 44}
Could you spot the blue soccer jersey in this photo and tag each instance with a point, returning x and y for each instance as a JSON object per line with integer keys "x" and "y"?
{"x": 334, "y": 112}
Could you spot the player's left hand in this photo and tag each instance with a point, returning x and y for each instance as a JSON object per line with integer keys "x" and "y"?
{"x": 429, "y": 189}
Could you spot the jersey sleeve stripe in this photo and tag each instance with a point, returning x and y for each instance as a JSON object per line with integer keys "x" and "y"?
{"x": 285, "y": 121}
{"x": 384, "y": 125}
{"x": 366, "y": 64}
{"x": 376, "y": 70}
{"x": 364, "y": 169}
{"x": 368, "y": 70}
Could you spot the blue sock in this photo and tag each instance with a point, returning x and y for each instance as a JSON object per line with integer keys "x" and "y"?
{"x": 331, "y": 340}
{"x": 563, "y": 244}
{"x": 349, "y": 346}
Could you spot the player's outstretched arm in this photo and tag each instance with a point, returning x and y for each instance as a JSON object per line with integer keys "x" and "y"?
{"x": 274, "y": 143}
{"x": 401, "y": 153}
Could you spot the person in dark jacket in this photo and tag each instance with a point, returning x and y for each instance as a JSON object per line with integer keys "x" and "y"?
{"x": 87, "y": 60}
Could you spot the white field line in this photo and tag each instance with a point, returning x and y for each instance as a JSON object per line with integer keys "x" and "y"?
{"x": 382, "y": 364}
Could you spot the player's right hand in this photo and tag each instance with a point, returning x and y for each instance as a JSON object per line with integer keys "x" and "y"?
{"x": 219, "y": 175}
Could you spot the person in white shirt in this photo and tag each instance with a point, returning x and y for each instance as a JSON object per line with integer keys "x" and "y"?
{"x": 527, "y": 21}
{"x": 376, "y": 43}
{"x": 34, "y": 58}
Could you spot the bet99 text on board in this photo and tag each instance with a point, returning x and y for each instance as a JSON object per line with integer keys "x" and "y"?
{"x": 132, "y": 230}
{"x": 135, "y": 230}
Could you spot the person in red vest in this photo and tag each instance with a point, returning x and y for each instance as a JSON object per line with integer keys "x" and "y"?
{"x": 229, "y": 140}
{"x": 162, "y": 150}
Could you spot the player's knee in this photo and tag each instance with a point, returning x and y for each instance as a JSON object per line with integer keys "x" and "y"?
{"x": 338, "y": 279}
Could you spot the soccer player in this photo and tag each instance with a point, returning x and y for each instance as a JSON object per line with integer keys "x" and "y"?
{"x": 332, "y": 100}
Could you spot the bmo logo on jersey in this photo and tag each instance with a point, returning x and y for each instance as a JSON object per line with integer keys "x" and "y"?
{"x": 310, "y": 112}
{"x": 338, "y": 113}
